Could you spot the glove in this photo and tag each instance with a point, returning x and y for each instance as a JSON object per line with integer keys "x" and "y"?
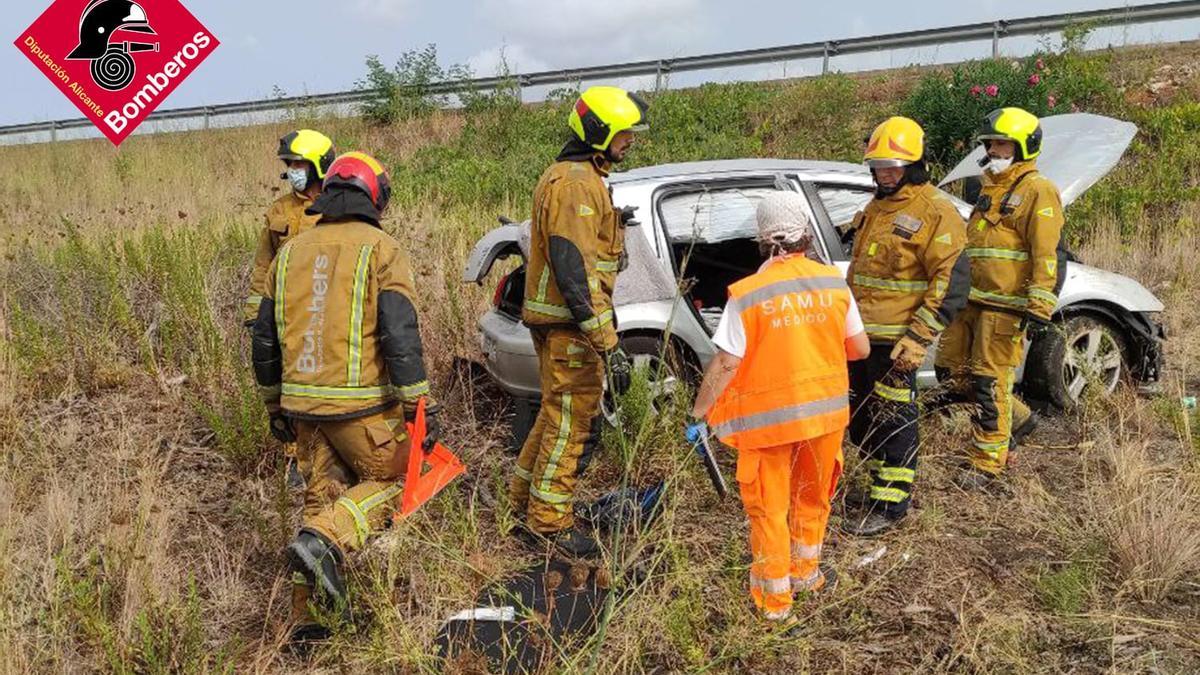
{"x": 628, "y": 218}
{"x": 1033, "y": 325}
{"x": 433, "y": 430}
{"x": 281, "y": 428}
{"x": 619, "y": 370}
{"x": 908, "y": 354}
{"x": 696, "y": 432}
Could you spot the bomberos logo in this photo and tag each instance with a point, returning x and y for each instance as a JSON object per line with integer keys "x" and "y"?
{"x": 131, "y": 55}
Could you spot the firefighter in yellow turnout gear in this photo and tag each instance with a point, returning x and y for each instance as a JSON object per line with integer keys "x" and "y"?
{"x": 910, "y": 278}
{"x": 306, "y": 155}
{"x": 1016, "y": 270}
{"x": 337, "y": 353}
{"x": 577, "y": 247}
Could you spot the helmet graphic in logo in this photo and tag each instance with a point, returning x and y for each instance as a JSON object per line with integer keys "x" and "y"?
{"x": 112, "y": 66}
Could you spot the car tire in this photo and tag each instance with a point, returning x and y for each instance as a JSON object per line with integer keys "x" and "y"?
{"x": 1073, "y": 357}
{"x": 648, "y": 352}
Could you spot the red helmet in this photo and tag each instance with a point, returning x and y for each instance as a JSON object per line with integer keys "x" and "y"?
{"x": 362, "y": 171}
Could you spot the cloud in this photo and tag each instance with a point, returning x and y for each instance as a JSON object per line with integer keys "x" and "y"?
{"x": 564, "y": 33}
{"x": 389, "y": 10}
{"x": 487, "y": 62}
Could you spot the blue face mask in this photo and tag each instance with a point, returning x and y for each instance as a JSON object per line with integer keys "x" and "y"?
{"x": 298, "y": 178}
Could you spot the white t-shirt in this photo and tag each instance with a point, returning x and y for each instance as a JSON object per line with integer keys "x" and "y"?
{"x": 731, "y": 334}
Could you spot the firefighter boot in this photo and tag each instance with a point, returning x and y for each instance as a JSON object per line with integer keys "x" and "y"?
{"x": 306, "y": 630}
{"x": 575, "y": 543}
{"x": 320, "y": 561}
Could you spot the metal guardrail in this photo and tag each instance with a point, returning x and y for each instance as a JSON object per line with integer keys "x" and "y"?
{"x": 660, "y": 68}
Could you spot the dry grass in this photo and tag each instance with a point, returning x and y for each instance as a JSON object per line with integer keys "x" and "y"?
{"x": 142, "y": 506}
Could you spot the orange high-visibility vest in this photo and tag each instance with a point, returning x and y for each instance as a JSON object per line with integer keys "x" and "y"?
{"x": 792, "y": 383}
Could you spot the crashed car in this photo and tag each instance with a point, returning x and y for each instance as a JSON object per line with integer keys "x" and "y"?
{"x": 697, "y": 236}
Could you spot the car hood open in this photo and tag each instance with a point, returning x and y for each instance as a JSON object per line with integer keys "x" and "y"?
{"x": 1078, "y": 149}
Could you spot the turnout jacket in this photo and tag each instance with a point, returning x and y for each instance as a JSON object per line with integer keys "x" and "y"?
{"x": 907, "y": 271}
{"x": 285, "y": 219}
{"x": 1014, "y": 242}
{"x": 577, "y": 242}
{"x": 337, "y": 335}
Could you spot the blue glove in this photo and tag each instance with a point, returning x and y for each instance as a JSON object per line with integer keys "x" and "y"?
{"x": 696, "y": 433}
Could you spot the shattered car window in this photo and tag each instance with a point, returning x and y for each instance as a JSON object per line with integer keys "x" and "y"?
{"x": 842, "y": 203}
{"x": 713, "y": 216}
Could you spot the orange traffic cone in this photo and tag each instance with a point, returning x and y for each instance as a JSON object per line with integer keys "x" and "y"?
{"x": 421, "y": 484}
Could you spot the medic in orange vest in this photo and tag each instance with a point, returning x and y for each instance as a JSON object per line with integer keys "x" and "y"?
{"x": 777, "y": 391}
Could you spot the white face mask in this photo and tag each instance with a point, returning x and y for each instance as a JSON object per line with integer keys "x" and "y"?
{"x": 996, "y": 165}
{"x": 298, "y": 178}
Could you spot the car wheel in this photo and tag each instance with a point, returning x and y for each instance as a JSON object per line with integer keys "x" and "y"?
{"x": 662, "y": 367}
{"x": 1076, "y": 356}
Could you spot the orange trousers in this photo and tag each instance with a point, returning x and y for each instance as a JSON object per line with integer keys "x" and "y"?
{"x": 786, "y": 491}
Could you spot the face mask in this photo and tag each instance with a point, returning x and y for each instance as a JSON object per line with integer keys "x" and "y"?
{"x": 996, "y": 165}
{"x": 298, "y": 178}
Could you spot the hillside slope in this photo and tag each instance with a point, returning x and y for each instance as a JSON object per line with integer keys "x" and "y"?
{"x": 142, "y": 506}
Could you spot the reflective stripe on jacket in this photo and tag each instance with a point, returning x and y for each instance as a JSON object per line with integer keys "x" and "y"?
{"x": 792, "y": 383}
{"x": 907, "y": 271}
{"x": 285, "y": 219}
{"x": 576, "y": 243}
{"x": 345, "y": 329}
{"x": 1014, "y": 243}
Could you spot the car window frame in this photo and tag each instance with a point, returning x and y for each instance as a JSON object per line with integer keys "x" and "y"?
{"x": 722, "y": 183}
{"x": 829, "y": 232}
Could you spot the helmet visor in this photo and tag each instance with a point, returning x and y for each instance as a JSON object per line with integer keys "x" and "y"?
{"x": 886, "y": 163}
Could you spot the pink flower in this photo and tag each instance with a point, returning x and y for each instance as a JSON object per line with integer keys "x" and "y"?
{"x": 976, "y": 91}
{"x": 1034, "y": 79}
{"x": 1051, "y": 101}
{"x": 1041, "y": 65}
{"x": 992, "y": 90}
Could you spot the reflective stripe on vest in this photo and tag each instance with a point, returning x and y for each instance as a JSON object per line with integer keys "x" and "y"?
{"x": 999, "y": 298}
{"x": 997, "y": 254}
{"x": 354, "y": 349}
{"x": 1043, "y": 295}
{"x": 339, "y": 393}
{"x": 783, "y": 415}
{"x": 801, "y": 285}
{"x": 899, "y": 285}
{"x": 281, "y": 264}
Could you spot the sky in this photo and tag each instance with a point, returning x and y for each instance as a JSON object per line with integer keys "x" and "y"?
{"x": 319, "y": 46}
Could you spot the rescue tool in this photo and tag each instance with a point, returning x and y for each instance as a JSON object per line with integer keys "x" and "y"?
{"x": 444, "y": 467}
{"x": 704, "y": 450}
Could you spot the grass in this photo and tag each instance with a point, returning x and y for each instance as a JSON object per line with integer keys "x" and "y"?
{"x": 143, "y": 508}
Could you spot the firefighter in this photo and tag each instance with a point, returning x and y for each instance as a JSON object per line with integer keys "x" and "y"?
{"x": 337, "y": 354}
{"x": 577, "y": 246}
{"x": 306, "y": 156}
{"x": 777, "y": 392}
{"x": 910, "y": 278}
{"x": 1013, "y": 241}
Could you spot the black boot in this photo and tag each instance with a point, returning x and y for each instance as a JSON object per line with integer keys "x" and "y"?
{"x": 1022, "y": 432}
{"x": 320, "y": 561}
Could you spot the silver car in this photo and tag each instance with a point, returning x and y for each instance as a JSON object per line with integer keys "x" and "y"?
{"x": 696, "y": 237}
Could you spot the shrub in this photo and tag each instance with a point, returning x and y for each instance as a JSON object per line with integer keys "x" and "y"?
{"x": 406, "y": 91}
{"x": 951, "y": 105}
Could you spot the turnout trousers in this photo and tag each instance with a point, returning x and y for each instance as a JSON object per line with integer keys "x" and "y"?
{"x": 786, "y": 491}
{"x": 565, "y": 434}
{"x": 352, "y": 471}
{"x": 977, "y": 360}
{"x": 883, "y": 424}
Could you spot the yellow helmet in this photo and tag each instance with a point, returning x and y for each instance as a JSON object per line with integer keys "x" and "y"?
{"x": 898, "y": 141}
{"x": 603, "y": 112}
{"x": 1016, "y": 125}
{"x": 310, "y": 146}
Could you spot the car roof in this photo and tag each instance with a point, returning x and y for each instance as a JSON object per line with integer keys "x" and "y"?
{"x": 719, "y": 166}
